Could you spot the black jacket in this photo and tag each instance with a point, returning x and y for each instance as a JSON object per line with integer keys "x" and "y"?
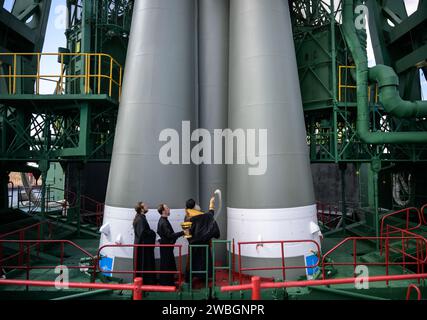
{"x": 204, "y": 228}
{"x": 143, "y": 232}
{"x": 166, "y": 232}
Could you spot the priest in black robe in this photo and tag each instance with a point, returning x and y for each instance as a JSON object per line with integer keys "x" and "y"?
{"x": 167, "y": 236}
{"x": 204, "y": 228}
{"x": 144, "y": 256}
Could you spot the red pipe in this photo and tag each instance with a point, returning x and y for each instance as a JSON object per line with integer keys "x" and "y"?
{"x": 137, "y": 292}
{"x": 256, "y": 288}
{"x": 313, "y": 283}
{"x": 98, "y": 286}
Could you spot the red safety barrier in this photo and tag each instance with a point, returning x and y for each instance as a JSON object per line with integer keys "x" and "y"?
{"x": 137, "y": 287}
{"x": 423, "y": 213}
{"x": 406, "y": 213}
{"x": 420, "y": 246}
{"x": 413, "y": 287}
{"x": 21, "y": 235}
{"x": 328, "y": 214}
{"x": 29, "y": 244}
{"x": 420, "y": 261}
{"x": 283, "y": 267}
{"x": 135, "y": 271}
{"x": 92, "y": 208}
{"x": 256, "y": 287}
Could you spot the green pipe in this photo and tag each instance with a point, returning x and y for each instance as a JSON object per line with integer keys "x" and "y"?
{"x": 349, "y": 294}
{"x": 83, "y": 295}
{"x": 388, "y": 84}
{"x": 360, "y": 57}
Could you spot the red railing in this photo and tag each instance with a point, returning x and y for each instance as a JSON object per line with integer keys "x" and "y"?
{"x": 92, "y": 208}
{"x": 423, "y": 213}
{"x": 328, "y": 214}
{"x": 419, "y": 261}
{"x": 27, "y": 245}
{"x": 256, "y": 285}
{"x": 21, "y": 235}
{"x": 283, "y": 267}
{"x": 135, "y": 271}
{"x": 413, "y": 287}
{"x": 420, "y": 246}
{"x": 407, "y": 213}
{"x": 137, "y": 287}
{"x": 69, "y": 201}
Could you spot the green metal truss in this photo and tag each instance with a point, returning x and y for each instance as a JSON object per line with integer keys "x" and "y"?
{"x": 330, "y": 121}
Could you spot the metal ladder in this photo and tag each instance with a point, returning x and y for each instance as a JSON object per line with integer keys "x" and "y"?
{"x": 228, "y": 267}
{"x": 214, "y": 267}
{"x": 205, "y": 272}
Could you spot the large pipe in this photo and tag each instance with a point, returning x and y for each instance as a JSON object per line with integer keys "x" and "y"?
{"x": 158, "y": 93}
{"x": 388, "y": 85}
{"x": 265, "y": 94}
{"x": 360, "y": 57}
{"x": 213, "y": 95}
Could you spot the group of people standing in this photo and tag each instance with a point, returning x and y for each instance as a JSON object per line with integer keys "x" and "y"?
{"x": 203, "y": 229}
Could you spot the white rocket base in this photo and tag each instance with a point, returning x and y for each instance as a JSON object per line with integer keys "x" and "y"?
{"x": 248, "y": 225}
{"x": 118, "y": 229}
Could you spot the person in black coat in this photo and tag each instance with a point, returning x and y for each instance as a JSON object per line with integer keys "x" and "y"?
{"x": 144, "y": 235}
{"x": 204, "y": 228}
{"x": 167, "y": 236}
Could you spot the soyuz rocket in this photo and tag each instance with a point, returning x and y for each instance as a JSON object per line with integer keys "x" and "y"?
{"x": 215, "y": 64}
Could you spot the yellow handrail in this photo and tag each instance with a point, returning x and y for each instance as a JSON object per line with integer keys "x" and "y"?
{"x": 342, "y": 86}
{"x": 93, "y": 62}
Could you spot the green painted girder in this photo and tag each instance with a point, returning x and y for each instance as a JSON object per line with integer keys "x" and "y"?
{"x": 407, "y": 25}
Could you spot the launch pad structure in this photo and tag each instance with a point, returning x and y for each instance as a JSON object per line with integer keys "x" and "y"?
{"x": 345, "y": 186}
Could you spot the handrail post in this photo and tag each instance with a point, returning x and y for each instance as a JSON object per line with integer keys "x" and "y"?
{"x": 99, "y": 73}
{"x": 354, "y": 256}
{"x": 233, "y": 262}
{"x": 408, "y": 294}
{"x": 111, "y": 77}
{"x": 15, "y": 60}
{"x": 38, "y": 74}
{"x": 283, "y": 261}
{"x": 387, "y": 258}
{"x": 137, "y": 291}
{"x": 240, "y": 263}
{"x": 180, "y": 267}
{"x": 256, "y": 288}
{"x": 28, "y": 264}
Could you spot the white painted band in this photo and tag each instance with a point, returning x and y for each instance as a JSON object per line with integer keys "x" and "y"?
{"x": 248, "y": 225}
{"x": 120, "y": 227}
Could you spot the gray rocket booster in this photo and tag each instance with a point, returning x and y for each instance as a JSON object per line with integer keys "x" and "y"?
{"x": 158, "y": 94}
{"x": 213, "y": 95}
{"x": 247, "y": 80}
{"x": 265, "y": 94}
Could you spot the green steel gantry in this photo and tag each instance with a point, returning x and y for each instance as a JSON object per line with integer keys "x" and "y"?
{"x": 327, "y": 74}
{"x": 76, "y": 122}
